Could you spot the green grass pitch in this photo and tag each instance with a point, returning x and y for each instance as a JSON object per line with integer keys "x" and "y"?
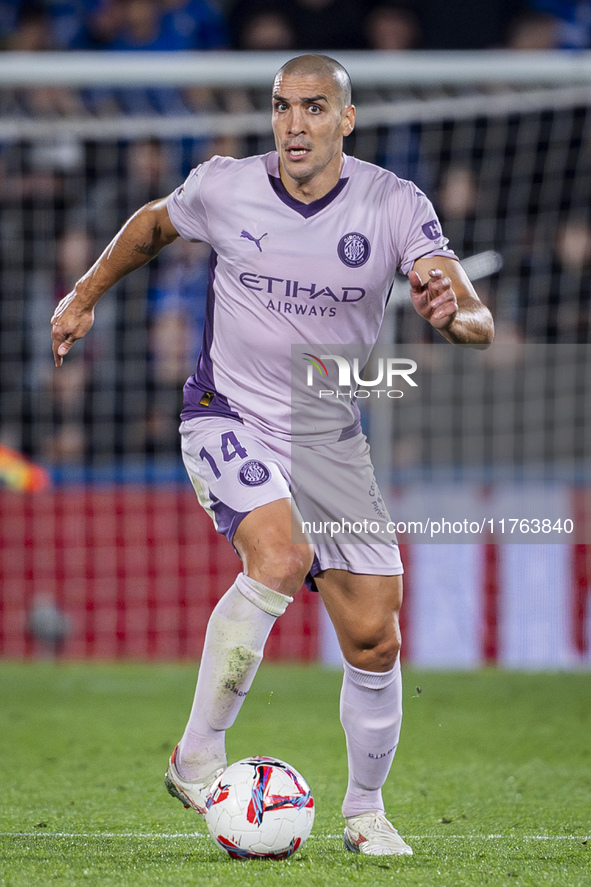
{"x": 491, "y": 784}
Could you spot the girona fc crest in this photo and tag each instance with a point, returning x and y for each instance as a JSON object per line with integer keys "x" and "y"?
{"x": 253, "y": 473}
{"x": 354, "y": 249}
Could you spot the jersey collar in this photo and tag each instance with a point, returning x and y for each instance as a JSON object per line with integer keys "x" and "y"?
{"x": 304, "y": 209}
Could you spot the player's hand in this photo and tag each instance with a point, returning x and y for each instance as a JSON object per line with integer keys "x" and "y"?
{"x": 69, "y": 323}
{"x": 435, "y": 299}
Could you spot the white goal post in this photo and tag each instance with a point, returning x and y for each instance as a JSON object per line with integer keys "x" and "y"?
{"x": 228, "y": 69}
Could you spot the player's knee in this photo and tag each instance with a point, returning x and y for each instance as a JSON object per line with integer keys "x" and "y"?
{"x": 374, "y": 653}
{"x": 294, "y": 563}
{"x": 385, "y": 655}
{"x": 283, "y": 568}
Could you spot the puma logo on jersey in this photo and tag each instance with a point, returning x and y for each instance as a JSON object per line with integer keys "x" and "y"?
{"x": 256, "y": 240}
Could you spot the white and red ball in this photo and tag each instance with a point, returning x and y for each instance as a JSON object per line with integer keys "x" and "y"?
{"x": 260, "y": 808}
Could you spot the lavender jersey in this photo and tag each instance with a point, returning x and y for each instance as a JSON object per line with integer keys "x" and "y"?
{"x": 284, "y": 273}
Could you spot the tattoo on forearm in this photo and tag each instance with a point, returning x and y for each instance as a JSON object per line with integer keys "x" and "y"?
{"x": 146, "y": 249}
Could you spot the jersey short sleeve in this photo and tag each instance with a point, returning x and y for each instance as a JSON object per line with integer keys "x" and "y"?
{"x": 417, "y": 230}
{"x": 186, "y": 207}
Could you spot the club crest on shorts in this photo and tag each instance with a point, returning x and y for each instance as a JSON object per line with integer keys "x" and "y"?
{"x": 354, "y": 249}
{"x": 253, "y": 473}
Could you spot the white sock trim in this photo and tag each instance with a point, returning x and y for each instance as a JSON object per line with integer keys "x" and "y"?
{"x": 373, "y": 680}
{"x": 267, "y": 599}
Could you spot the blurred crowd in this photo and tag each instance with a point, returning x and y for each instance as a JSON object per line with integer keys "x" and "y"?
{"x": 32, "y": 25}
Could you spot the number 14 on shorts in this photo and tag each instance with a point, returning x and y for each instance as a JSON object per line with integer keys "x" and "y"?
{"x": 230, "y": 447}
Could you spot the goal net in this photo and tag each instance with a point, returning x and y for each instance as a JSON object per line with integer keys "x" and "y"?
{"x": 499, "y": 141}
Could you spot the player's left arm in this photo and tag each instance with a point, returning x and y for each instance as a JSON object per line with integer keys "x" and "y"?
{"x": 442, "y": 293}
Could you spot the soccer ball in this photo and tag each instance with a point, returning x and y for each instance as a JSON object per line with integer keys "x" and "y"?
{"x": 260, "y": 808}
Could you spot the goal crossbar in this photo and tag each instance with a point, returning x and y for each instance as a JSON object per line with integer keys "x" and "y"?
{"x": 254, "y": 69}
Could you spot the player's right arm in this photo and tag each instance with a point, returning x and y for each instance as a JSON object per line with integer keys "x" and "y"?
{"x": 141, "y": 238}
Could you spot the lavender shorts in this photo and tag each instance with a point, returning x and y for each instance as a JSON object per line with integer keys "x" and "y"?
{"x": 234, "y": 469}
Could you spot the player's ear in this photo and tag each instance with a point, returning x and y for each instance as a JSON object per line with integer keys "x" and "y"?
{"x": 348, "y": 120}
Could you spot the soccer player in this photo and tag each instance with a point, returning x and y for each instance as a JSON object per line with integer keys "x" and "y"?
{"x": 305, "y": 245}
